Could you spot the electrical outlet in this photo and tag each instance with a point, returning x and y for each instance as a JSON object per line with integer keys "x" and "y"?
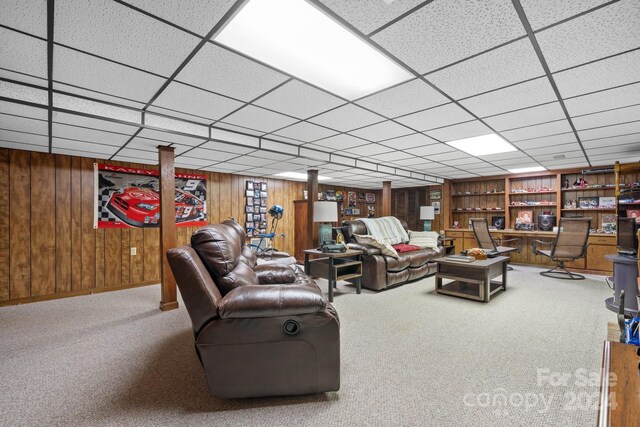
{"x": 134, "y": 251}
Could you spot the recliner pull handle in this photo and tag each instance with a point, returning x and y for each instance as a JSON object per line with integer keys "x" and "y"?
{"x": 291, "y": 327}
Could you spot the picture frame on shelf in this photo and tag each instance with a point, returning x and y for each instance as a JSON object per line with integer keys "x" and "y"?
{"x": 634, "y": 213}
{"x": 607, "y": 202}
{"x": 609, "y": 223}
{"x": 587, "y": 202}
{"x": 524, "y": 217}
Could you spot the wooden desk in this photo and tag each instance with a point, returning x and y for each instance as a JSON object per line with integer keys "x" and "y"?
{"x": 619, "y": 386}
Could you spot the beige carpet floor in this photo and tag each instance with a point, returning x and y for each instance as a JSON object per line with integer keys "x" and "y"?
{"x": 410, "y": 357}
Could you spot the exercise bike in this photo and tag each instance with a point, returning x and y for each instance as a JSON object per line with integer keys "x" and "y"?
{"x": 264, "y": 249}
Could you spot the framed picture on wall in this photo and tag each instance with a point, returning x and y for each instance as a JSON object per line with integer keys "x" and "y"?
{"x": 634, "y": 213}
{"x": 436, "y": 207}
{"x": 435, "y": 195}
{"x": 249, "y": 185}
{"x": 249, "y": 193}
{"x": 370, "y": 197}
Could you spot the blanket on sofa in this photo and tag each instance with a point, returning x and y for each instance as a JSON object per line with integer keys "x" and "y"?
{"x": 387, "y": 229}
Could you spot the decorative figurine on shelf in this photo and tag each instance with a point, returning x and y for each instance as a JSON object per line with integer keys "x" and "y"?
{"x": 580, "y": 182}
{"x": 566, "y": 183}
{"x": 456, "y": 224}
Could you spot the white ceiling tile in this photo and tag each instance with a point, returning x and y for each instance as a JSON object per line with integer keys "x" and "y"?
{"x": 430, "y": 150}
{"x": 367, "y": 150}
{"x": 310, "y": 156}
{"x": 607, "y": 31}
{"x": 436, "y": 117}
{"x": 633, "y": 138}
{"x": 190, "y": 162}
{"x": 534, "y": 92}
{"x": 24, "y": 124}
{"x": 226, "y": 167}
{"x": 529, "y": 116}
{"x": 25, "y": 15}
{"x": 347, "y": 118}
{"x": 467, "y": 162}
{"x": 304, "y": 131}
{"x": 24, "y": 78}
{"x": 117, "y": 32}
{"x": 559, "y": 139}
{"x": 92, "y": 73}
{"x": 616, "y": 71}
{"x": 140, "y": 155}
{"x": 404, "y": 99}
{"x": 226, "y": 136}
{"x": 21, "y": 110}
{"x": 541, "y": 13}
{"x": 23, "y": 93}
{"x": 605, "y": 100}
{"x": 224, "y": 72}
{"x": 536, "y": 131}
{"x": 100, "y": 109}
{"x": 198, "y": 16}
{"x": 17, "y": 137}
{"x": 73, "y": 119}
{"x": 459, "y": 131}
{"x": 89, "y": 135}
{"x": 16, "y": 145}
{"x": 409, "y": 141}
{"x": 97, "y": 96}
{"x": 229, "y": 148}
{"x": 22, "y": 53}
{"x": 610, "y": 131}
{"x": 622, "y": 150}
{"x": 88, "y": 148}
{"x": 500, "y": 67}
{"x": 445, "y": 32}
{"x": 299, "y": 99}
{"x": 179, "y": 115}
{"x": 170, "y": 137}
{"x": 259, "y": 119}
{"x": 371, "y": 15}
{"x": 443, "y": 157}
{"x": 553, "y": 149}
{"x": 165, "y": 123}
{"x": 392, "y": 156}
{"x": 606, "y": 118}
{"x": 381, "y": 131}
{"x": 273, "y": 156}
{"x": 212, "y": 156}
{"x": 187, "y": 99}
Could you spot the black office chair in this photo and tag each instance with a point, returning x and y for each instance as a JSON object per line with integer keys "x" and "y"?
{"x": 570, "y": 245}
{"x": 492, "y": 245}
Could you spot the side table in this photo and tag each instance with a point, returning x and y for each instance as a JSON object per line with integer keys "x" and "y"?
{"x": 334, "y": 266}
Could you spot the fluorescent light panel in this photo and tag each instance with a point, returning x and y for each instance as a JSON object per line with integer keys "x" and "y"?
{"x": 298, "y": 175}
{"x": 483, "y": 145}
{"x": 297, "y": 38}
{"x": 529, "y": 169}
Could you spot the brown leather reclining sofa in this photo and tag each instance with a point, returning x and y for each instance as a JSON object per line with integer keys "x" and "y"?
{"x": 259, "y": 330}
{"x": 380, "y": 271}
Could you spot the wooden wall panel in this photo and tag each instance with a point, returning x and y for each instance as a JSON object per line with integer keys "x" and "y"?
{"x": 151, "y": 254}
{"x": 76, "y": 223}
{"x": 43, "y": 224}
{"x": 88, "y": 233}
{"x": 63, "y": 224}
{"x": 113, "y": 257}
{"x": 4, "y": 224}
{"x": 125, "y": 257}
{"x": 100, "y": 254}
{"x": 136, "y": 270}
{"x": 20, "y": 224}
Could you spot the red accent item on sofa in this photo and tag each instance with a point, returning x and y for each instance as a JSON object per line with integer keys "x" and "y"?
{"x": 403, "y": 247}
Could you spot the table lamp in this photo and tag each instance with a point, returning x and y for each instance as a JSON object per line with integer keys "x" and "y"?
{"x": 427, "y": 214}
{"x": 325, "y": 213}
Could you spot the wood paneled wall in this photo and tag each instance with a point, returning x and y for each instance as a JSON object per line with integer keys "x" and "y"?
{"x": 49, "y": 248}
{"x": 361, "y": 206}
{"x": 406, "y": 202}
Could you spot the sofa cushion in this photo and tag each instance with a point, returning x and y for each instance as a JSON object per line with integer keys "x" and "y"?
{"x": 385, "y": 248}
{"x": 398, "y": 264}
{"x": 405, "y": 247}
{"x": 387, "y": 229}
{"x": 424, "y": 239}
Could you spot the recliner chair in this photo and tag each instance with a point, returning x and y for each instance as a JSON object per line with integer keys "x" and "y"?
{"x": 269, "y": 333}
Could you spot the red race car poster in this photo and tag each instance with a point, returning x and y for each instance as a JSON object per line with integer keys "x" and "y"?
{"x": 128, "y": 197}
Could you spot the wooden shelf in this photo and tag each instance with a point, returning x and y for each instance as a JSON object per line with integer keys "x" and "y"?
{"x": 534, "y": 206}
{"x": 591, "y": 209}
{"x": 532, "y": 192}
{"x": 588, "y": 189}
{"x": 479, "y": 194}
{"x": 476, "y": 210}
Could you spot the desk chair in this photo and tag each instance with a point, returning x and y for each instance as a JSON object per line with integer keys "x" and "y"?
{"x": 570, "y": 245}
{"x": 493, "y": 246}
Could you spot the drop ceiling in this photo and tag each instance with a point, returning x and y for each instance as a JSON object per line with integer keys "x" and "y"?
{"x": 113, "y": 79}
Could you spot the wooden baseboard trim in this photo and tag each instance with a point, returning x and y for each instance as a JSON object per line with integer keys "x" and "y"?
{"x": 28, "y": 300}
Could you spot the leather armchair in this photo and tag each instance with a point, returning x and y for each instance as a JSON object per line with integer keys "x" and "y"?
{"x": 255, "y": 337}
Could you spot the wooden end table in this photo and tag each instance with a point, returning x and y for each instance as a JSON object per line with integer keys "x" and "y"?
{"x": 472, "y": 280}
{"x": 334, "y": 266}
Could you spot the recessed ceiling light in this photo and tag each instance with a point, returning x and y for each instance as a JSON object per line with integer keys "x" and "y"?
{"x": 301, "y": 176}
{"x": 296, "y": 37}
{"x": 530, "y": 169}
{"x": 483, "y": 145}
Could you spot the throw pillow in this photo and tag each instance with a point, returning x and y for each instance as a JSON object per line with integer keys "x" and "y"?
{"x": 385, "y": 248}
{"x": 424, "y": 239}
{"x": 405, "y": 247}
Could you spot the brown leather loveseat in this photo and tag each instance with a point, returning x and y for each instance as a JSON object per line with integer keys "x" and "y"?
{"x": 259, "y": 331}
{"x": 380, "y": 271}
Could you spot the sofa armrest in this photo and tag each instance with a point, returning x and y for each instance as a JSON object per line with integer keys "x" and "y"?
{"x": 271, "y": 301}
{"x": 274, "y": 274}
{"x": 366, "y": 249}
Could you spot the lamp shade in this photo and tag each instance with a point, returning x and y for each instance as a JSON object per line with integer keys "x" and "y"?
{"x": 325, "y": 212}
{"x": 427, "y": 213}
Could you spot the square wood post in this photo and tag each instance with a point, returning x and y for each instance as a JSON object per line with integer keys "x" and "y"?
{"x": 168, "y": 297}
{"x": 386, "y": 198}
{"x": 312, "y": 196}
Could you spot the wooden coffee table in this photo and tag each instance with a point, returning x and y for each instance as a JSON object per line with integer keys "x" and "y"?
{"x": 472, "y": 280}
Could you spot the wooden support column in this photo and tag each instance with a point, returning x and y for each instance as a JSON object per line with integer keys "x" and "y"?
{"x": 312, "y": 196}
{"x": 168, "y": 297}
{"x": 445, "y": 206}
{"x": 386, "y": 198}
